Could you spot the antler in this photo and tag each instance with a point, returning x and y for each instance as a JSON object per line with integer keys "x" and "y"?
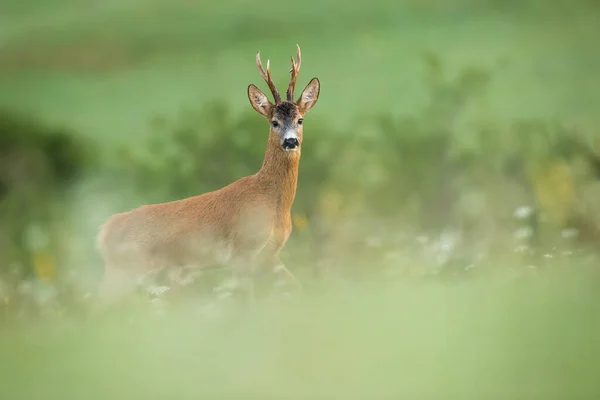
{"x": 295, "y": 69}
{"x": 267, "y": 77}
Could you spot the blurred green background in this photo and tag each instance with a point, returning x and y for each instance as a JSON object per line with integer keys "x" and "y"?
{"x": 453, "y": 141}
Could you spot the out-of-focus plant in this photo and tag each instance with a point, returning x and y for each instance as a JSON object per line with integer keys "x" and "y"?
{"x": 437, "y": 193}
{"x": 38, "y": 163}
{"x": 433, "y": 173}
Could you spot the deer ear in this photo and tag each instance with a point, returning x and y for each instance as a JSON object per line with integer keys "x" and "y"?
{"x": 309, "y": 96}
{"x": 259, "y": 101}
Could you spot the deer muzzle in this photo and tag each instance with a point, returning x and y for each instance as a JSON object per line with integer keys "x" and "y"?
{"x": 290, "y": 143}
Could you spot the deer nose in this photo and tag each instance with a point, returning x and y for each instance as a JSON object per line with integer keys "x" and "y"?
{"x": 290, "y": 143}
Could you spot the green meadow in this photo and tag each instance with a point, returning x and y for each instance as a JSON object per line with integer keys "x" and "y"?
{"x": 107, "y": 68}
{"x": 446, "y": 224}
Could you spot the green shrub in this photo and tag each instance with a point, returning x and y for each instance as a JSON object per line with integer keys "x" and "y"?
{"x": 38, "y": 163}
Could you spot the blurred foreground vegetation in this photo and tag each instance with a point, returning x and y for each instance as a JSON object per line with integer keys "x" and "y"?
{"x": 536, "y": 340}
{"x": 446, "y": 225}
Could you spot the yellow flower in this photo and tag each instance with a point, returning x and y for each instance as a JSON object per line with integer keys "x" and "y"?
{"x": 300, "y": 221}
{"x": 331, "y": 204}
{"x": 555, "y": 190}
{"x": 45, "y": 267}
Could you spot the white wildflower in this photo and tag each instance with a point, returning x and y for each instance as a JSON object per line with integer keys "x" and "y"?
{"x": 524, "y": 232}
{"x": 158, "y": 290}
{"x": 523, "y": 212}
{"x": 569, "y": 233}
{"x": 521, "y": 248}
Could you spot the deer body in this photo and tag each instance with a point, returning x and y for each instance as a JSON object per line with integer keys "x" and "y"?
{"x": 240, "y": 219}
{"x": 242, "y": 225}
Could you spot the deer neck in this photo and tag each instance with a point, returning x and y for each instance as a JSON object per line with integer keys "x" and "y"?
{"x": 279, "y": 173}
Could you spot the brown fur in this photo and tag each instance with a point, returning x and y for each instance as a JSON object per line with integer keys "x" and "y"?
{"x": 243, "y": 224}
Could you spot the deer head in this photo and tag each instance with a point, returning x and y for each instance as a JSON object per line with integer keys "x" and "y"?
{"x": 284, "y": 116}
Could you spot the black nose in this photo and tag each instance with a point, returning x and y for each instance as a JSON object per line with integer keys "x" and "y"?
{"x": 290, "y": 143}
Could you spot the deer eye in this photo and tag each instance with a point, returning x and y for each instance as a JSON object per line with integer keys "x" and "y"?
{"x": 300, "y": 121}
{"x": 275, "y": 124}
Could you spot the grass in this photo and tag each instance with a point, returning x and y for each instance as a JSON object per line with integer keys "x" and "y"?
{"x": 107, "y": 71}
{"x": 486, "y": 339}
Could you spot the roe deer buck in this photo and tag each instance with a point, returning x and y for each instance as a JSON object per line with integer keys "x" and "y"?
{"x": 242, "y": 225}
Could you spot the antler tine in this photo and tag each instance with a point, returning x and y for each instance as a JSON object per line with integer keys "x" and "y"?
{"x": 267, "y": 77}
{"x": 295, "y": 69}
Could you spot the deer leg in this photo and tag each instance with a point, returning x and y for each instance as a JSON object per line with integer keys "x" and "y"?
{"x": 116, "y": 284}
{"x": 280, "y": 271}
{"x": 243, "y": 275}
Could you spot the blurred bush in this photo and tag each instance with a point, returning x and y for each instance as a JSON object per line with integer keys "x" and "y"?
{"x": 37, "y": 165}
{"x": 438, "y": 192}
{"x": 391, "y": 179}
